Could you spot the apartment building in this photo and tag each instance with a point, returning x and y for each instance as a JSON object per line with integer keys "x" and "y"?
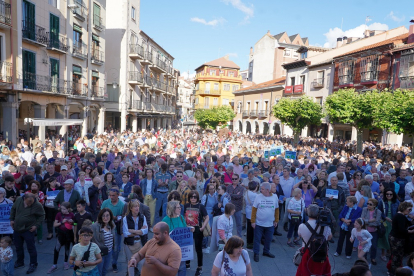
{"x": 215, "y": 83}
{"x": 253, "y": 108}
{"x": 314, "y": 73}
{"x": 142, "y": 83}
{"x": 185, "y": 98}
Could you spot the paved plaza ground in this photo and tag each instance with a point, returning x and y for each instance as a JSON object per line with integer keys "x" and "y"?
{"x": 281, "y": 265}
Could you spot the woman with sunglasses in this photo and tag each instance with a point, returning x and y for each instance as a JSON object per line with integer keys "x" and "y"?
{"x": 197, "y": 217}
{"x": 388, "y": 205}
{"x": 173, "y": 196}
{"x": 371, "y": 216}
{"x": 353, "y": 184}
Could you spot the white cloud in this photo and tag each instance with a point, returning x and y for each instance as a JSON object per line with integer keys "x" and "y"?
{"x": 395, "y": 17}
{"x": 238, "y": 4}
{"x": 336, "y": 32}
{"x": 213, "y": 23}
{"x": 232, "y": 55}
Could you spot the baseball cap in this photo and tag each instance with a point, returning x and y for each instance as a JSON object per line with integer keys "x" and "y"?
{"x": 68, "y": 181}
{"x": 64, "y": 167}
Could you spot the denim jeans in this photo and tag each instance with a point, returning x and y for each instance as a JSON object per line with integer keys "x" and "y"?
{"x": 104, "y": 266}
{"x": 161, "y": 199}
{"x": 237, "y": 217}
{"x": 28, "y": 237}
{"x": 7, "y": 269}
{"x": 344, "y": 236}
{"x": 293, "y": 230}
{"x": 374, "y": 245}
{"x": 260, "y": 231}
{"x": 117, "y": 249}
{"x": 182, "y": 270}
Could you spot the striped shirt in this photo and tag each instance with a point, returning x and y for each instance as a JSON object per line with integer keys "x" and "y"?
{"x": 108, "y": 237}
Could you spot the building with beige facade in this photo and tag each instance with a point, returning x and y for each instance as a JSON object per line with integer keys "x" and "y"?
{"x": 58, "y": 64}
{"x": 141, "y": 81}
{"x": 253, "y": 108}
{"x": 185, "y": 98}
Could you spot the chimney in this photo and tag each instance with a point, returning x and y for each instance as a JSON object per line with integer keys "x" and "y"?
{"x": 338, "y": 42}
{"x": 344, "y": 40}
{"x": 411, "y": 34}
{"x": 251, "y": 51}
{"x": 268, "y": 32}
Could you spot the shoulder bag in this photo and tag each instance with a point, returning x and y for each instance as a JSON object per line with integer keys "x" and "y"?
{"x": 297, "y": 219}
{"x": 85, "y": 256}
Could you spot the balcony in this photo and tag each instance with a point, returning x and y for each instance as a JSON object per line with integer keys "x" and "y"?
{"x": 262, "y": 114}
{"x": 98, "y": 92}
{"x": 158, "y": 66}
{"x": 57, "y": 43}
{"x": 171, "y": 89}
{"x": 78, "y": 90}
{"x": 147, "y": 58}
{"x": 318, "y": 83}
{"x": 98, "y": 23}
{"x": 80, "y": 12}
{"x": 6, "y": 72}
{"x": 170, "y": 70}
{"x": 80, "y": 50}
{"x": 45, "y": 83}
{"x": 147, "y": 82}
{"x": 147, "y": 106}
{"x": 253, "y": 113}
{"x": 136, "y": 51}
{"x": 245, "y": 113}
{"x": 346, "y": 81}
{"x": 136, "y": 105}
{"x": 5, "y": 14}
{"x": 369, "y": 77}
{"x": 34, "y": 34}
{"x": 203, "y": 92}
{"x": 98, "y": 57}
{"x": 135, "y": 78}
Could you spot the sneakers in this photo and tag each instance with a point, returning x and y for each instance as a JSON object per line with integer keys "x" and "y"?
{"x": 297, "y": 242}
{"x": 115, "y": 268}
{"x": 18, "y": 265}
{"x": 66, "y": 266}
{"x": 32, "y": 268}
{"x": 198, "y": 271}
{"x": 336, "y": 254}
{"x": 291, "y": 244}
{"x": 52, "y": 269}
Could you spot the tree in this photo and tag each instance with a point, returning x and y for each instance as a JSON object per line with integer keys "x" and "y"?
{"x": 346, "y": 106}
{"x": 211, "y": 118}
{"x": 298, "y": 113}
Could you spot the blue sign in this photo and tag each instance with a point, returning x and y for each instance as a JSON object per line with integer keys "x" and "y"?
{"x": 279, "y": 150}
{"x": 184, "y": 238}
{"x": 266, "y": 154}
{"x": 290, "y": 155}
{"x": 52, "y": 193}
{"x": 5, "y": 227}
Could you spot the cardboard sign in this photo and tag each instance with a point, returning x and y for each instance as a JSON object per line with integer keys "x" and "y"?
{"x": 331, "y": 192}
{"x": 290, "y": 155}
{"x": 266, "y": 154}
{"x": 5, "y": 227}
{"x": 184, "y": 238}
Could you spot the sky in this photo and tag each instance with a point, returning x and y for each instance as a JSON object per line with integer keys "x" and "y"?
{"x": 195, "y": 32}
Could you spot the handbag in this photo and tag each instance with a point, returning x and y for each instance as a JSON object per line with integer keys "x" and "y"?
{"x": 381, "y": 230}
{"x": 207, "y": 230}
{"x": 297, "y": 219}
{"x": 85, "y": 256}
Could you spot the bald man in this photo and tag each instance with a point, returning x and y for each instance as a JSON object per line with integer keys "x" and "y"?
{"x": 162, "y": 255}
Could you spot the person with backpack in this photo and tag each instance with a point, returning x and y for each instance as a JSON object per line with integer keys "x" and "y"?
{"x": 314, "y": 250}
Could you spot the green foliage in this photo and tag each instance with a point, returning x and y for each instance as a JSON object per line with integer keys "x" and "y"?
{"x": 298, "y": 113}
{"x": 211, "y": 118}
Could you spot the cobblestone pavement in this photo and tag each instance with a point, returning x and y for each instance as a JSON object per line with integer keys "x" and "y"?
{"x": 281, "y": 265}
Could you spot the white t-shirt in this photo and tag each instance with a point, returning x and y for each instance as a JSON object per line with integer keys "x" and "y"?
{"x": 287, "y": 185}
{"x": 409, "y": 187}
{"x": 249, "y": 203}
{"x": 296, "y": 205}
{"x": 232, "y": 268}
{"x": 305, "y": 234}
{"x": 265, "y": 206}
{"x": 226, "y": 224}
{"x": 149, "y": 187}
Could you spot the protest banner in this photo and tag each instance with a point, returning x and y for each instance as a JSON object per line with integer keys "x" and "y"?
{"x": 290, "y": 155}
{"x": 273, "y": 152}
{"x": 184, "y": 238}
{"x": 266, "y": 154}
{"x": 5, "y": 227}
{"x": 279, "y": 150}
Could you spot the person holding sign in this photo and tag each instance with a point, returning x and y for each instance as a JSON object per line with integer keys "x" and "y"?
{"x": 3, "y": 199}
{"x": 334, "y": 197}
{"x": 162, "y": 255}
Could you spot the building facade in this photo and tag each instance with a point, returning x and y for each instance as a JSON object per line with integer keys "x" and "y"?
{"x": 253, "y": 108}
{"x": 141, "y": 81}
{"x": 215, "y": 83}
{"x": 185, "y": 98}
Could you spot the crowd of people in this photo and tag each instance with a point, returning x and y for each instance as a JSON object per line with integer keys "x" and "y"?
{"x": 108, "y": 192}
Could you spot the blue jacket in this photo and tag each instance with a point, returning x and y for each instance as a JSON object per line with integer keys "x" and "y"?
{"x": 154, "y": 186}
{"x": 127, "y": 189}
{"x": 354, "y": 215}
{"x": 394, "y": 208}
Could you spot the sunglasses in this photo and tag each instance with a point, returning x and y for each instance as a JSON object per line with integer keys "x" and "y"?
{"x": 234, "y": 179}
{"x": 193, "y": 196}
{"x": 370, "y": 204}
{"x": 389, "y": 194}
{"x": 86, "y": 235}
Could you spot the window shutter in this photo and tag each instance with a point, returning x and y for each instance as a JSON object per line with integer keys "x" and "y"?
{"x": 77, "y": 70}
{"x": 95, "y": 74}
{"x": 77, "y": 28}
{"x": 95, "y": 37}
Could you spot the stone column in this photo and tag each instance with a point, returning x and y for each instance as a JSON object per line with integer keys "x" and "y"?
{"x": 40, "y": 113}
{"x": 9, "y": 120}
{"x": 134, "y": 123}
{"x": 158, "y": 123}
{"x": 85, "y": 121}
{"x": 354, "y": 134}
{"x": 151, "y": 123}
{"x": 123, "y": 117}
{"x": 330, "y": 132}
{"x": 63, "y": 115}
{"x": 144, "y": 124}
{"x": 304, "y": 132}
{"x": 101, "y": 120}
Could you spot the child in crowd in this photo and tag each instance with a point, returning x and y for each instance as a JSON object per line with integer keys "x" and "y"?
{"x": 363, "y": 236}
{"x": 63, "y": 220}
{"x": 6, "y": 256}
{"x": 80, "y": 218}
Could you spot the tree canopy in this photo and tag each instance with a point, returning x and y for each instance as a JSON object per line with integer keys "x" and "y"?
{"x": 298, "y": 113}
{"x": 211, "y": 118}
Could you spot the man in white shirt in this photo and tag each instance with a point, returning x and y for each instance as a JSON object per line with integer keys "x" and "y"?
{"x": 287, "y": 182}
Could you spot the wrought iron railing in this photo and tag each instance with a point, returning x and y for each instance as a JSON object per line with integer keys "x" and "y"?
{"x": 135, "y": 76}
{"x": 262, "y": 113}
{"x": 57, "y": 41}
{"x": 136, "y": 104}
{"x": 345, "y": 79}
{"x": 6, "y": 71}
{"x": 160, "y": 64}
{"x": 148, "y": 56}
{"x": 51, "y": 84}
{"x": 136, "y": 49}
{"x": 369, "y": 76}
{"x": 317, "y": 83}
{"x": 5, "y": 13}
{"x": 253, "y": 113}
{"x": 80, "y": 10}
{"x": 98, "y": 92}
{"x": 80, "y": 49}
{"x": 245, "y": 113}
{"x": 98, "y": 22}
{"x": 34, "y": 32}
{"x": 98, "y": 56}
{"x": 78, "y": 89}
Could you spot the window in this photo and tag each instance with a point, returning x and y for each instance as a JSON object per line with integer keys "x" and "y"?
{"x": 76, "y": 78}
{"x": 346, "y": 72}
{"x": 286, "y": 53}
{"x": 97, "y": 20}
{"x": 225, "y": 101}
{"x": 321, "y": 75}
{"x": 302, "y": 79}
{"x": 304, "y": 55}
{"x": 319, "y": 100}
{"x": 29, "y": 70}
{"x": 235, "y": 87}
{"x": 292, "y": 81}
{"x": 28, "y": 28}
{"x": 196, "y": 100}
{"x": 215, "y": 101}
{"x": 251, "y": 64}
{"x": 369, "y": 68}
{"x": 206, "y": 102}
{"x": 226, "y": 87}
{"x": 213, "y": 72}
{"x": 53, "y": 3}
{"x": 266, "y": 105}
{"x": 231, "y": 74}
{"x": 133, "y": 13}
{"x": 207, "y": 87}
{"x": 54, "y": 31}
{"x": 216, "y": 86}
{"x": 295, "y": 54}
{"x": 77, "y": 34}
